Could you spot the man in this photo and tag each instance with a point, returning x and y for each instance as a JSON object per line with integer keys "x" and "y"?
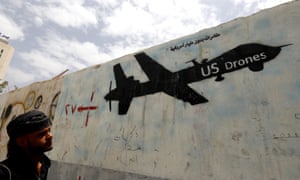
{"x": 29, "y": 137}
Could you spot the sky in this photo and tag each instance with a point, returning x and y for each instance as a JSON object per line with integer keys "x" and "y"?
{"x": 51, "y": 36}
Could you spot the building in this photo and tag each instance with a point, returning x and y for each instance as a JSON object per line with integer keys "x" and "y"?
{"x": 6, "y": 53}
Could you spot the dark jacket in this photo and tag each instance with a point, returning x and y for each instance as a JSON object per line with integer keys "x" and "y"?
{"x": 22, "y": 168}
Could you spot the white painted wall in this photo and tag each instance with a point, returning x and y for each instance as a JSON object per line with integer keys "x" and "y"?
{"x": 248, "y": 129}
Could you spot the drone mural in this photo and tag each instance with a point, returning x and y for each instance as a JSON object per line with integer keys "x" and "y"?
{"x": 251, "y": 56}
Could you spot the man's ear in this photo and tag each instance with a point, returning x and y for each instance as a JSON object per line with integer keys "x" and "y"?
{"x": 21, "y": 141}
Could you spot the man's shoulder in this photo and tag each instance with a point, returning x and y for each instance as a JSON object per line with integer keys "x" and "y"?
{"x": 5, "y": 163}
{"x": 5, "y": 173}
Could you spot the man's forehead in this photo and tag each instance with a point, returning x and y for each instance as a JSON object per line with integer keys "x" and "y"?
{"x": 39, "y": 131}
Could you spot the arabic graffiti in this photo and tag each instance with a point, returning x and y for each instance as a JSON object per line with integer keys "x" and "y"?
{"x": 38, "y": 102}
{"x": 30, "y": 101}
{"x": 286, "y": 136}
{"x": 193, "y": 42}
{"x": 53, "y": 106}
{"x": 80, "y": 109}
{"x": 251, "y": 56}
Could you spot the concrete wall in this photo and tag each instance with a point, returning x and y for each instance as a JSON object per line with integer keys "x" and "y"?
{"x": 233, "y": 112}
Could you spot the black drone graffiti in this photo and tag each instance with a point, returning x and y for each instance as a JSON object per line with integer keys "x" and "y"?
{"x": 175, "y": 84}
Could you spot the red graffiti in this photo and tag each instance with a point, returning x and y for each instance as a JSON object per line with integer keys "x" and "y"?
{"x": 86, "y": 108}
{"x": 73, "y": 109}
{"x": 81, "y": 109}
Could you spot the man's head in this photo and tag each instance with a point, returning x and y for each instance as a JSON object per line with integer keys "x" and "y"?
{"x": 31, "y": 131}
